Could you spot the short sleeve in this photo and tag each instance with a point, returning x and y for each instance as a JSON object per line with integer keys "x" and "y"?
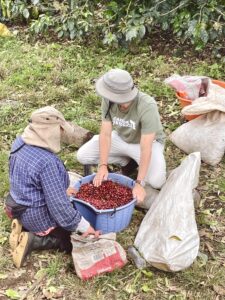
{"x": 104, "y": 109}
{"x": 150, "y": 120}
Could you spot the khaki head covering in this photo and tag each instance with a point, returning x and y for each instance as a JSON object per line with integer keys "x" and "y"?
{"x": 45, "y": 131}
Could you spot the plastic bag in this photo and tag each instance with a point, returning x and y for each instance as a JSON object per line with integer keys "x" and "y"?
{"x": 190, "y": 86}
{"x": 215, "y": 100}
{"x": 92, "y": 257}
{"x": 73, "y": 177}
{"x": 205, "y": 134}
{"x": 168, "y": 238}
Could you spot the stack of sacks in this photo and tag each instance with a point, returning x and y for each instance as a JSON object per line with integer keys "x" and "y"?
{"x": 206, "y": 133}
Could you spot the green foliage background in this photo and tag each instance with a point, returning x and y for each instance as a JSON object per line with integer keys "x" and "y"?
{"x": 121, "y": 21}
{"x": 62, "y": 74}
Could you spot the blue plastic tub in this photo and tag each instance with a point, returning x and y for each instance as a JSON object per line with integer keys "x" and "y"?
{"x": 106, "y": 220}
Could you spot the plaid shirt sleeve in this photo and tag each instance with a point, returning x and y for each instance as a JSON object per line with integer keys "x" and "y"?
{"x": 56, "y": 199}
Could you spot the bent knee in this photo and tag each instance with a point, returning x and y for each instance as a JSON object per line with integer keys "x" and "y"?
{"x": 157, "y": 181}
{"x": 81, "y": 156}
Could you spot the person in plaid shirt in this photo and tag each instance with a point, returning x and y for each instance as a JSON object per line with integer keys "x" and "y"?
{"x": 39, "y": 188}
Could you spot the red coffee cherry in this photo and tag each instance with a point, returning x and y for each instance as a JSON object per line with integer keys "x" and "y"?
{"x": 108, "y": 195}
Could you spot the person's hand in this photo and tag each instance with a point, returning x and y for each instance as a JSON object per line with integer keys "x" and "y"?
{"x": 91, "y": 231}
{"x": 101, "y": 175}
{"x": 71, "y": 191}
{"x": 139, "y": 192}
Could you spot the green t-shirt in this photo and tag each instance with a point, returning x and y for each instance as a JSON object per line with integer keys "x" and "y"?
{"x": 141, "y": 117}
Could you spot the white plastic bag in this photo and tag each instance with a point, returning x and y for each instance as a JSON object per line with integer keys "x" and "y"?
{"x": 192, "y": 86}
{"x": 214, "y": 101}
{"x": 73, "y": 177}
{"x": 168, "y": 238}
{"x": 205, "y": 134}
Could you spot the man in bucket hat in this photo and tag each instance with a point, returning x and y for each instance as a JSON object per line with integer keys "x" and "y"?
{"x": 130, "y": 129}
{"x": 38, "y": 202}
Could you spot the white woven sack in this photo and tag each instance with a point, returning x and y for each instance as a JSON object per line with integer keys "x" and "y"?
{"x": 168, "y": 237}
{"x": 205, "y": 134}
{"x": 215, "y": 100}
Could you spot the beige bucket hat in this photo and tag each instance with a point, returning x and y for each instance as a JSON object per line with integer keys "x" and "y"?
{"x": 47, "y": 129}
{"x": 117, "y": 86}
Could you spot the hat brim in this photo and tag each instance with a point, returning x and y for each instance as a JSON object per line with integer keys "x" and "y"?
{"x": 69, "y": 134}
{"x": 116, "y": 98}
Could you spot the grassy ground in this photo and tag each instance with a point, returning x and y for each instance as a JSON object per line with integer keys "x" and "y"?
{"x": 62, "y": 75}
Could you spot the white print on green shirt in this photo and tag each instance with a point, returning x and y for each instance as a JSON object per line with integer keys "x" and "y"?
{"x": 123, "y": 123}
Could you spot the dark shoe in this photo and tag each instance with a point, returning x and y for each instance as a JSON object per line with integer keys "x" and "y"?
{"x": 129, "y": 168}
{"x": 29, "y": 242}
{"x": 87, "y": 170}
{"x": 16, "y": 228}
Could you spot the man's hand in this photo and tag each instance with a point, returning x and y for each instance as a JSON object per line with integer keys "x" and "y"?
{"x": 71, "y": 191}
{"x": 101, "y": 175}
{"x": 91, "y": 231}
{"x": 139, "y": 192}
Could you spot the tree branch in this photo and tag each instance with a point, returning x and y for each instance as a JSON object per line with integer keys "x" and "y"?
{"x": 172, "y": 10}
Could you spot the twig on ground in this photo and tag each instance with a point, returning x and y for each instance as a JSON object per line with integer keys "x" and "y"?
{"x": 34, "y": 285}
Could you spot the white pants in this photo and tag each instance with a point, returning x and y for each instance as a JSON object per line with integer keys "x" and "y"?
{"x": 121, "y": 152}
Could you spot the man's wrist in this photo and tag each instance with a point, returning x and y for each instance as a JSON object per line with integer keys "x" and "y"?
{"x": 101, "y": 165}
{"x": 140, "y": 182}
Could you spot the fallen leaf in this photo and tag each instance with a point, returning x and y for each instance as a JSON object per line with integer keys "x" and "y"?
{"x": 52, "y": 289}
{"x": 206, "y": 233}
{"x": 47, "y": 294}
{"x": 206, "y": 212}
{"x": 209, "y": 247}
{"x": 219, "y": 290}
{"x": 223, "y": 240}
{"x": 204, "y": 259}
{"x": 145, "y": 288}
{"x": 4, "y": 31}
{"x": 22, "y": 288}
{"x": 175, "y": 237}
{"x": 129, "y": 288}
{"x": 219, "y": 211}
{"x": 147, "y": 273}
{"x": 173, "y": 288}
{"x": 12, "y": 294}
{"x": 4, "y": 238}
{"x": 222, "y": 198}
{"x": 18, "y": 273}
{"x": 112, "y": 287}
{"x": 3, "y": 276}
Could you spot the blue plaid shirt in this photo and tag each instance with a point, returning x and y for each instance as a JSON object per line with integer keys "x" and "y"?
{"x": 38, "y": 179}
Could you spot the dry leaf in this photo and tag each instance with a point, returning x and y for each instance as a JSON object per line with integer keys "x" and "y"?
{"x": 4, "y": 31}
{"x": 219, "y": 290}
{"x": 209, "y": 247}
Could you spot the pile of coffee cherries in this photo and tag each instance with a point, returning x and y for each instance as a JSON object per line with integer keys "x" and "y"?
{"x": 107, "y": 196}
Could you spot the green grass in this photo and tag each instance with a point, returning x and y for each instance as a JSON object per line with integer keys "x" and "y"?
{"x": 35, "y": 75}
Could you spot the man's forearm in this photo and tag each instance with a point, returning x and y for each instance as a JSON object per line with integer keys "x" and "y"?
{"x": 104, "y": 147}
{"x": 145, "y": 159}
